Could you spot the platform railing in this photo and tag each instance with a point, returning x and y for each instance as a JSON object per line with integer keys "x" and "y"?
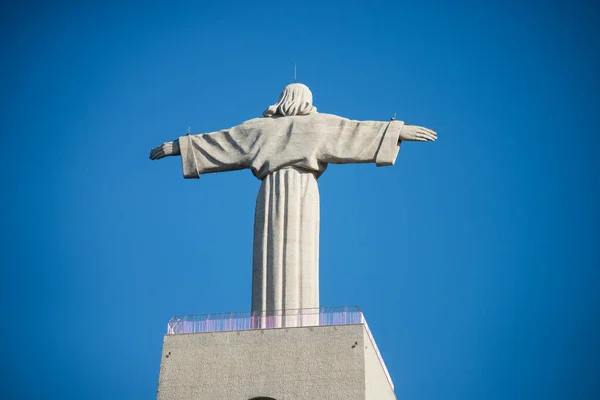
{"x": 237, "y": 321}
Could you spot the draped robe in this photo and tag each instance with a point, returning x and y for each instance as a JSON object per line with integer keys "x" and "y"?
{"x": 289, "y": 154}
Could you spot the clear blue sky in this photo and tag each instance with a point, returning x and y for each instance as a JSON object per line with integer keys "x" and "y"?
{"x": 475, "y": 258}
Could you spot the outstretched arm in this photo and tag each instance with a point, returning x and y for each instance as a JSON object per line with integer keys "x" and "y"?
{"x": 166, "y": 149}
{"x": 368, "y": 141}
{"x": 220, "y": 151}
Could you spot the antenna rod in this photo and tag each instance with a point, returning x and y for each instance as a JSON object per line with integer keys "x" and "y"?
{"x": 294, "y": 72}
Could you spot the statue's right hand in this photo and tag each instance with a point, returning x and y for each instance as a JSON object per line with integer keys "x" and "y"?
{"x": 165, "y": 150}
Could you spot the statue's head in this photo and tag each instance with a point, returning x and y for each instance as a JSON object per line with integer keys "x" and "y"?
{"x": 295, "y": 99}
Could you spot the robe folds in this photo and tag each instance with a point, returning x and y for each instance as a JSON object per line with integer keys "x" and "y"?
{"x": 289, "y": 154}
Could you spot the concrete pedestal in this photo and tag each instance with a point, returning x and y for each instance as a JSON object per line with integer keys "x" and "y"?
{"x": 339, "y": 362}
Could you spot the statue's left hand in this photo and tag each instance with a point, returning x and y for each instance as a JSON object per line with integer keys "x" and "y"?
{"x": 165, "y": 150}
{"x": 414, "y": 133}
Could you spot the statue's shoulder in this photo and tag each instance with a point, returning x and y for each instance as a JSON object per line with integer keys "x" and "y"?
{"x": 330, "y": 116}
{"x": 329, "y": 119}
{"x": 254, "y": 121}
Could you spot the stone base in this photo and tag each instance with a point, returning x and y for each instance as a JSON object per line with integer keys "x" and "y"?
{"x": 338, "y": 362}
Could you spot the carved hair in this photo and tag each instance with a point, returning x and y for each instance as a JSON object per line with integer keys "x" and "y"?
{"x": 295, "y": 99}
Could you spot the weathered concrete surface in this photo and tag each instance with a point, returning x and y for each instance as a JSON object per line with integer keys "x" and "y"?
{"x": 323, "y": 362}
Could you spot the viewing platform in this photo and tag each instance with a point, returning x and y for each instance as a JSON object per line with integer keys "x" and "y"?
{"x": 246, "y": 321}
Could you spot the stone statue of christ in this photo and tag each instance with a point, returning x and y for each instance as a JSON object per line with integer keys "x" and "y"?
{"x": 288, "y": 150}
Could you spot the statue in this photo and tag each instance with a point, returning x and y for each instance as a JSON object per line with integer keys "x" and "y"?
{"x": 288, "y": 150}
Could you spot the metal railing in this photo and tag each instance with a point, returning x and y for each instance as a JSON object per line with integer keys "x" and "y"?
{"x": 239, "y": 321}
